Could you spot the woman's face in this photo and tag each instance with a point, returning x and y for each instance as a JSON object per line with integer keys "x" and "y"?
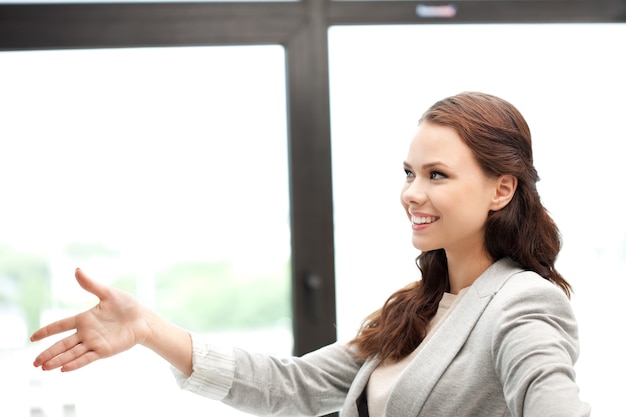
{"x": 447, "y": 196}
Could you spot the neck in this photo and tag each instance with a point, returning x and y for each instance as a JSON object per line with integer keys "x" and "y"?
{"x": 464, "y": 269}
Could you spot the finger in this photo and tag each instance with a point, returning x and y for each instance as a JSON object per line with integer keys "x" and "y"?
{"x": 80, "y": 361}
{"x": 67, "y": 357}
{"x": 88, "y": 284}
{"x": 57, "y": 327}
{"x": 55, "y": 350}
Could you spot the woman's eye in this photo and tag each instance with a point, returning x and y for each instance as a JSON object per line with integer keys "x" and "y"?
{"x": 436, "y": 175}
{"x": 408, "y": 173}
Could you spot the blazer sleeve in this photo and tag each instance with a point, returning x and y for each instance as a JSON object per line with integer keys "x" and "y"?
{"x": 311, "y": 385}
{"x": 534, "y": 347}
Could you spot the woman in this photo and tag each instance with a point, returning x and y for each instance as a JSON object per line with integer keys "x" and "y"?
{"x": 487, "y": 331}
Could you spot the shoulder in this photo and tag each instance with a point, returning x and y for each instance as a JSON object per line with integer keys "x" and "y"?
{"x": 534, "y": 344}
{"x": 527, "y": 290}
{"x": 505, "y": 283}
{"x": 522, "y": 304}
{"x": 530, "y": 311}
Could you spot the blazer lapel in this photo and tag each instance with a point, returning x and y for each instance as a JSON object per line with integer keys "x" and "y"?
{"x": 417, "y": 381}
{"x": 355, "y": 399}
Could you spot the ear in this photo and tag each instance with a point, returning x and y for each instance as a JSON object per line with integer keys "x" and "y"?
{"x": 505, "y": 187}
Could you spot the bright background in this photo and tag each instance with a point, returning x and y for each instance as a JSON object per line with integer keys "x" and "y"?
{"x": 155, "y": 157}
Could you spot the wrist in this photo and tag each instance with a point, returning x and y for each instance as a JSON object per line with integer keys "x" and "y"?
{"x": 168, "y": 341}
{"x": 148, "y": 336}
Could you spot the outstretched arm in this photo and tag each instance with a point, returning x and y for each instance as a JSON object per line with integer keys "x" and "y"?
{"x": 117, "y": 323}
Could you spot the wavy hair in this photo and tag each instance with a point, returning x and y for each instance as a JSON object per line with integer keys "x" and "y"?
{"x": 500, "y": 140}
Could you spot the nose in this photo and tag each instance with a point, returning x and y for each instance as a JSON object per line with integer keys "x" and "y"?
{"x": 413, "y": 193}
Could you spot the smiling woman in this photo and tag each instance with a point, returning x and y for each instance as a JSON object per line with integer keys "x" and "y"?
{"x": 382, "y": 79}
{"x": 489, "y": 319}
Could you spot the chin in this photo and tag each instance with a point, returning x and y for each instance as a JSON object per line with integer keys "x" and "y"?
{"x": 424, "y": 247}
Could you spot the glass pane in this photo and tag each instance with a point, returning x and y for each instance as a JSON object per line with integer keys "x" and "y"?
{"x": 568, "y": 81}
{"x": 160, "y": 171}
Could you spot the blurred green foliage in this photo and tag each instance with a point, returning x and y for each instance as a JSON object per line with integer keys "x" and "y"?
{"x": 127, "y": 283}
{"x": 199, "y": 296}
{"x": 83, "y": 251}
{"x": 202, "y": 296}
{"x": 26, "y": 282}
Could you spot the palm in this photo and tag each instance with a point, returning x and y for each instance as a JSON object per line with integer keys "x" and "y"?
{"x": 114, "y": 325}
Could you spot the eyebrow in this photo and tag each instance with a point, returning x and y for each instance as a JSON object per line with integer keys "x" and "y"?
{"x": 428, "y": 165}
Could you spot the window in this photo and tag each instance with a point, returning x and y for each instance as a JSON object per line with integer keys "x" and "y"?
{"x": 162, "y": 171}
{"x": 567, "y": 80}
{"x": 301, "y": 28}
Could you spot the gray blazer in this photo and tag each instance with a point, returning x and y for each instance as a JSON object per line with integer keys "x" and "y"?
{"x": 507, "y": 349}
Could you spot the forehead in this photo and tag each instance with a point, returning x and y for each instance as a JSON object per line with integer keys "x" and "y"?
{"x": 437, "y": 143}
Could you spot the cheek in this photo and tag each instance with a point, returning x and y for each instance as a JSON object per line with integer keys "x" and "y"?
{"x": 472, "y": 212}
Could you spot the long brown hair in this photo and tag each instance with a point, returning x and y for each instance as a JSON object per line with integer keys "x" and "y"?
{"x": 500, "y": 140}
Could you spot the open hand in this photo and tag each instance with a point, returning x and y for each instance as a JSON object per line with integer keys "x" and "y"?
{"x": 114, "y": 325}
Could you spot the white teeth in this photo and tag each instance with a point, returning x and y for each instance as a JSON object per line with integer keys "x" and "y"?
{"x": 422, "y": 219}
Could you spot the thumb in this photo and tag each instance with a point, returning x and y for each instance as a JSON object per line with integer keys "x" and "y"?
{"x": 88, "y": 284}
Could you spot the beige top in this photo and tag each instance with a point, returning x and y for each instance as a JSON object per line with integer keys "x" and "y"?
{"x": 387, "y": 373}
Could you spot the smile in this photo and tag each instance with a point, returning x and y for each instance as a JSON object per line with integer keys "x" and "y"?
{"x": 423, "y": 219}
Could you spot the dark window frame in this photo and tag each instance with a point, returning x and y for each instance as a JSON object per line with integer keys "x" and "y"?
{"x": 301, "y": 27}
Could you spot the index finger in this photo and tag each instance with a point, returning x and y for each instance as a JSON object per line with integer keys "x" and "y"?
{"x": 56, "y": 327}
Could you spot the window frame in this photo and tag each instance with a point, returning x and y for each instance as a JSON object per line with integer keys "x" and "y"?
{"x": 301, "y": 28}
